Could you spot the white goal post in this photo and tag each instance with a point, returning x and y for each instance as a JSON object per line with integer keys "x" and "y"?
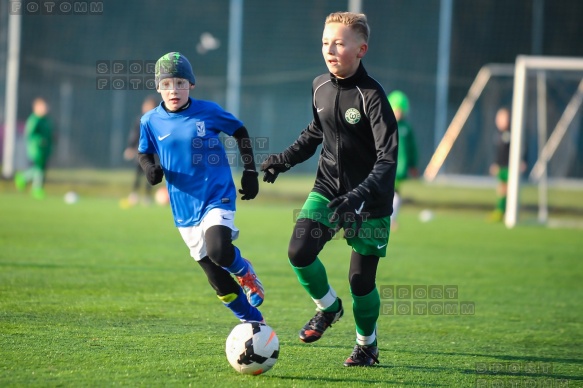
{"x": 523, "y": 65}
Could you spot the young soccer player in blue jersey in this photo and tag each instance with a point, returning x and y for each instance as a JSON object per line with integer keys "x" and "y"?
{"x": 184, "y": 133}
{"x": 356, "y": 128}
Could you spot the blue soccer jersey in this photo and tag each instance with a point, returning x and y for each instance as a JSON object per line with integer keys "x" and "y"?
{"x": 195, "y": 164}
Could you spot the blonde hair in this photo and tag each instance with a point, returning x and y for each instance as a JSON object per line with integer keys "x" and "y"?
{"x": 356, "y": 21}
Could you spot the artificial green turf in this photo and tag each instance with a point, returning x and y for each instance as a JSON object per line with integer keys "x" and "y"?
{"x": 93, "y": 295}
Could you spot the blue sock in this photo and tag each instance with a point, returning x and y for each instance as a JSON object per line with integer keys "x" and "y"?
{"x": 243, "y": 310}
{"x": 239, "y": 265}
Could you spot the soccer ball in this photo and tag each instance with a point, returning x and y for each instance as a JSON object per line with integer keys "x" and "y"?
{"x": 252, "y": 348}
{"x": 71, "y": 198}
{"x": 426, "y": 215}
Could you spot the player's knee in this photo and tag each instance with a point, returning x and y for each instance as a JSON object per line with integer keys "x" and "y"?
{"x": 222, "y": 254}
{"x": 361, "y": 285}
{"x": 219, "y": 247}
{"x": 306, "y": 242}
{"x": 300, "y": 254}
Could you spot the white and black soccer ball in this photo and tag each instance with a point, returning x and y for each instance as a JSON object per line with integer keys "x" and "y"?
{"x": 426, "y": 215}
{"x": 252, "y": 348}
{"x": 71, "y": 198}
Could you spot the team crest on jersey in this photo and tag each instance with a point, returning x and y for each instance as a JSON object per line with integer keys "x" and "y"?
{"x": 352, "y": 115}
{"x": 200, "y": 128}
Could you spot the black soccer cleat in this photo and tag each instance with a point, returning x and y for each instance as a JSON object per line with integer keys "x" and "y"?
{"x": 363, "y": 355}
{"x": 313, "y": 330}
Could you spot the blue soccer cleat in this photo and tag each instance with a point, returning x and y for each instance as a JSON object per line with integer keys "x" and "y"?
{"x": 252, "y": 286}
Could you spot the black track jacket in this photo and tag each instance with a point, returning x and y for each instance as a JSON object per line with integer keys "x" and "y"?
{"x": 357, "y": 129}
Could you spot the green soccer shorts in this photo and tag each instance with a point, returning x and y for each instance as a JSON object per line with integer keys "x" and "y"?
{"x": 372, "y": 238}
{"x": 503, "y": 174}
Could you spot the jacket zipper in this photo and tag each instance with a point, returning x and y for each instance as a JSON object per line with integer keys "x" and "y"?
{"x": 337, "y": 130}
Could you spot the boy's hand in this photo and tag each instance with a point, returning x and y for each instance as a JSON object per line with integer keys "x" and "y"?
{"x": 347, "y": 211}
{"x": 129, "y": 153}
{"x": 272, "y": 167}
{"x": 249, "y": 184}
{"x": 154, "y": 174}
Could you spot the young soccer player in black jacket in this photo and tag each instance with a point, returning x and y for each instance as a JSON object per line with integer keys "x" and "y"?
{"x": 354, "y": 186}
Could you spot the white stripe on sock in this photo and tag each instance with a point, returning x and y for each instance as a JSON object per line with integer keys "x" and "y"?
{"x": 327, "y": 300}
{"x": 366, "y": 339}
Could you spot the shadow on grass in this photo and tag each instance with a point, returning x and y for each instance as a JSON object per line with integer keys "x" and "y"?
{"x": 509, "y": 359}
{"x": 504, "y": 357}
{"x": 486, "y": 373}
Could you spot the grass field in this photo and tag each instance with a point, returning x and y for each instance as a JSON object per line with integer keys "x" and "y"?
{"x": 93, "y": 295}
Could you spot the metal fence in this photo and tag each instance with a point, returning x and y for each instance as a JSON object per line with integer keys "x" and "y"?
{"x": 61, "y": 55}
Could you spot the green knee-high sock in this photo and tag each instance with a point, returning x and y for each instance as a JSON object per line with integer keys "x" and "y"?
{"x": 366, "y": 311}
{"x": 501, "y": 204}
{"x": 315, "y": 281}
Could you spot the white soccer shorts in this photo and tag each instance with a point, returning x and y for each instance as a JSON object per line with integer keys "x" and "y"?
{"x": 193, "y": 236}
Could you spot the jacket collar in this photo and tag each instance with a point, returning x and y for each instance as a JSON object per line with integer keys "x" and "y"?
{"x": 350, "y": 81}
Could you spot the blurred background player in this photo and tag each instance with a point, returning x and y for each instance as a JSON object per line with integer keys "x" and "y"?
{"x": 407, "y": 156}
{"x": 499, "y": 168}
{"x": 184, "y": 133}
{"x": 39, "y": 144}
{"x": 351, "y": 116}
{"x": 131, "y": 153}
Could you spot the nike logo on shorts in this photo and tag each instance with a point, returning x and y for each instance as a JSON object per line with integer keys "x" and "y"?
{"x": 381, "y": 246}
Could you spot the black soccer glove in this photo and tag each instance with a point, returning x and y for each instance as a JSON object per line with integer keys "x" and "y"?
{"x": 347, "y": 211}
{"x": 249, "y": 184}
{"x": 273, "y": 166}
{"x": 153, "y": 171}
{"x": 154, "y": 174}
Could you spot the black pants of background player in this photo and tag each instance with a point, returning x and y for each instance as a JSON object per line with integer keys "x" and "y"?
{"x": 141, "y": 175}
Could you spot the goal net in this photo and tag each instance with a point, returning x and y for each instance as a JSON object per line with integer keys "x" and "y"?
{"x": 544, "y": 95}
{"x": 568, "y": 70}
